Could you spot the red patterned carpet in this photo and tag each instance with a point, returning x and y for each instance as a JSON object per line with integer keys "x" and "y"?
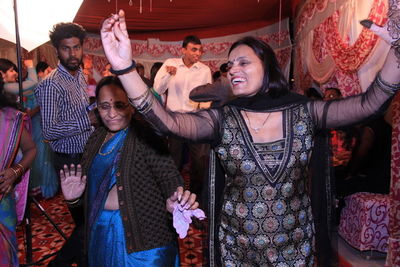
{"x": 46, "y": 240}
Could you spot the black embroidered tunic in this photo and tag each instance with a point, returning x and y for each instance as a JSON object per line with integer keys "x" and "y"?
{"x": 266, "y": 215}
{"x": 265, "y": 218}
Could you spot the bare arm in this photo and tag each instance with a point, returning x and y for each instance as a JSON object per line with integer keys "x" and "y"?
{"x": 28, "y": 84}
{"x": 8, "y": 176}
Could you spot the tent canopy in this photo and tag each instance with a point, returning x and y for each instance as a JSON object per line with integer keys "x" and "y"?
{"x": 171, "y": 20}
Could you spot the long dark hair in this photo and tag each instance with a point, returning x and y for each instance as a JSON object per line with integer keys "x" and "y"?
{"x": 6, "y": 99}
{"x": 5, "y": 65}
{"x": 274, "y": 82}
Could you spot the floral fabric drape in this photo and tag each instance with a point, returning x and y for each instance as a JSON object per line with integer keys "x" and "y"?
{"x": 349, "y": 57}
{"x": 215, "y": 49}
{"x": 328, "y": 54}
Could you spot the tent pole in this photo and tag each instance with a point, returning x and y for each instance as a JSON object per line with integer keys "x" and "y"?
{"x": 19, "y": 59}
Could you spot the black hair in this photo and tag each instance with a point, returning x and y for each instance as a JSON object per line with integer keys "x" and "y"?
{"x": 154, "y": 69}
{"x": 63, "y": 31}
{"x": 7, "y": 99}
{"x": 191, "y": 39}
{"x": 41, "y": 66}
{"x": 216, "y": 75}
{"x": 313, "y": 93}
{"x": 139, "y": 66}
{"x": 223, "y": 68}
{"x": 5, "y": 65}
{"x": 274, "y": 82}
{"x": 108, "y": 80}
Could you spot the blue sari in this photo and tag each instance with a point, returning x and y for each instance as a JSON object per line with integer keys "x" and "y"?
{"x": 107, "y": 245}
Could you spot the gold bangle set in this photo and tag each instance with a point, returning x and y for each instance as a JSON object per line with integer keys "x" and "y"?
{"x": 18, "y": 170}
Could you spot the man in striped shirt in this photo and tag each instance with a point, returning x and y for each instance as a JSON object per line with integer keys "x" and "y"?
{"x": 66, "y": 124}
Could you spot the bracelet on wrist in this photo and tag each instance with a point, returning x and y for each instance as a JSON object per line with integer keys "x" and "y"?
{"x": 124, "y": 71}
{"x": 389, "y": 87}
{"x": 22, "y": 167}
{"x": 15, "y": 172}
{"x": 139, "y": 98}
{"x": 72, "y": 202}
{"x": 143, "y": 102}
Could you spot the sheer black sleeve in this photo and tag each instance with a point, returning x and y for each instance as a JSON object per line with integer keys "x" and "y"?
{"x": 351, "y": 110}
{"x": 201, "y": 126}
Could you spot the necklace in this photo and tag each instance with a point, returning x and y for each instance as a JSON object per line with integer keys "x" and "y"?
{"x": 113, "y": 147}
{"x": 257, "y": 129}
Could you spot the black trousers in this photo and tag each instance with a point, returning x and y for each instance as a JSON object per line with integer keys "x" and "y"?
{"x": 73, "y": 249}
{"x": 198, "y": 158}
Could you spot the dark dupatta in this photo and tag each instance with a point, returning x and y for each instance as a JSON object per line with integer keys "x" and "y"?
{"x": 319, "y": 180}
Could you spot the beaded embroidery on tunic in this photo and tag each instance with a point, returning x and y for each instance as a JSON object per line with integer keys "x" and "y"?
{"x": 266, "y": 215}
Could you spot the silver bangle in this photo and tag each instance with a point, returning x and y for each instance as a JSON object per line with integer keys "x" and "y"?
{"x": 142, "y": 103}
{"x": 145, "y": 104}
{"x": 388, "y": 87}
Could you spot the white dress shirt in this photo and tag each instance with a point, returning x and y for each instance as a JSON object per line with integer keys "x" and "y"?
{"x": 180, "y": 84}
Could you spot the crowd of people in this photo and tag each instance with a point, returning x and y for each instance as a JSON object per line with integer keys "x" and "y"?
{"x": 116, "y": 146}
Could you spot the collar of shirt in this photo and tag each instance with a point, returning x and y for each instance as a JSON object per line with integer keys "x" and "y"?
{"x": 65, "y": 72}
{"x": 195, "y": 65}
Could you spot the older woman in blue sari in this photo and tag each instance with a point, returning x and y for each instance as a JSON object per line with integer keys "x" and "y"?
{"x": 17, "y": 154}
{"x": 130, "y": 179}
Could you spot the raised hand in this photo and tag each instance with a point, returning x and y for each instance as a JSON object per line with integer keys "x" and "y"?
{"x": 72, "y": 182}
{"x": 391, "y": 31}
{"x": 381, "y": 31}
{"x": 28, "y": 63}
{"x": 116, "y": 42}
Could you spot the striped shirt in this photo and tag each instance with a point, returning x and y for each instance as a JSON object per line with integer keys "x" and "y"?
{"x": 63, "y": 101}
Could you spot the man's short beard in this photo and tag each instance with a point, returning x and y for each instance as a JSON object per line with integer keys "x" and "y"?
{"x": 74, "y": 68}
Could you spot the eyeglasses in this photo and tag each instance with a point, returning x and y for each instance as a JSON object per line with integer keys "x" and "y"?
{"x": 118, "y": 106}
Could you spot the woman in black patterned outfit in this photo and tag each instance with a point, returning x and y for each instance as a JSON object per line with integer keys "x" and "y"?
{"x": 263, "y": 140}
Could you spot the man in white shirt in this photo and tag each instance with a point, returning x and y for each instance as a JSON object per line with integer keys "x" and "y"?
{"x": 174, "y": 81}
{"x": 178, "y": 76}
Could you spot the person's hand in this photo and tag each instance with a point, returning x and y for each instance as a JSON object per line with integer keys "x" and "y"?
{"x": 390, "y": 31}
{"x": 116, "y": 42}
{"x": 92, "y": 118}
{"x": 72, "y": 182}
{"x": 28, "y": 63}
{"x": 171, "y": 70}
{"x": 7, "y": 180}
{"x": 185, "y": 198}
